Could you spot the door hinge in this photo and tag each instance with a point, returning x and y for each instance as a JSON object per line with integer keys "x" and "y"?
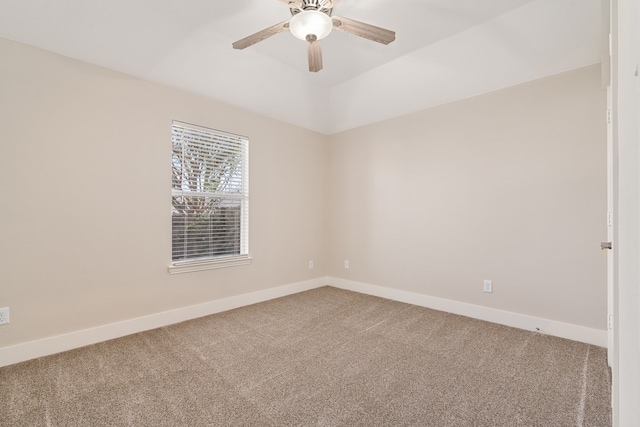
{"x": 610, "y": 321}
{"x": 609, "y": 115}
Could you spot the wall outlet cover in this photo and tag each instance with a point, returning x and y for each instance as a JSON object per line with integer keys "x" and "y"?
{"x": 488, "y": 286}
{"x": 4, "y": 315}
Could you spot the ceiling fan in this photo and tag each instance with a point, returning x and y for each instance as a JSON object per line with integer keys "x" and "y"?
{"x": 312, "y": 21}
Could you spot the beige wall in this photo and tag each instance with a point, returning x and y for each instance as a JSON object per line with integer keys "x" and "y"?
{"x": 85, "y": 207}
{"x": 508, "y": 186}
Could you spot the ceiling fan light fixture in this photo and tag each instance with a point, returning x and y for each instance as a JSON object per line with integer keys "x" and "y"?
{"x": 310, "y": 22}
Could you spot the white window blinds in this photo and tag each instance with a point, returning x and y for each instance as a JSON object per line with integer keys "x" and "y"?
{"x": 210, "y": 195}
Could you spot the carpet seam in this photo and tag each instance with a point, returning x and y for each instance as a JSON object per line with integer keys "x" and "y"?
{"x": 583, "y": 393}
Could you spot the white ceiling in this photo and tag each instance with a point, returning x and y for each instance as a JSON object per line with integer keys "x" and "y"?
{"x": 444, "y": 50}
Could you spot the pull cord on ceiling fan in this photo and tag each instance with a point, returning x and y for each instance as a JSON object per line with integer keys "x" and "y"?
{"x": 312, "y": 21}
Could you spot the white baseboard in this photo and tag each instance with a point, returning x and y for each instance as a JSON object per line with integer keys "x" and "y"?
{"x": 59, "y": 343}
{"x": 536, "y": 324}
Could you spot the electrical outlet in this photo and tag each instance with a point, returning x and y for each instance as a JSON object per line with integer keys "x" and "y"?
{"x": 488, "y": 286}
{"x": 310, "y": 264}
{"x": 346, "y": 263}
{"x": 4, "y": 315}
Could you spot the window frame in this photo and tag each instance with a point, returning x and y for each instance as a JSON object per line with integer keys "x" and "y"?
{"x": 241, "y": 144}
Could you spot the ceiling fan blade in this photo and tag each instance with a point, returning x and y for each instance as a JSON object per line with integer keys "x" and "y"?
{"x": 314, "y": 53}
{"x": 361, "y": 29}
{"x": 261, "y": 35}
{"x": 328, "y": 4}
{"x": 292, "y": 4}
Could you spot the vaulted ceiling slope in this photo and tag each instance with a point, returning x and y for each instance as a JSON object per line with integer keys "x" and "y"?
{"x": 444, "y": 50}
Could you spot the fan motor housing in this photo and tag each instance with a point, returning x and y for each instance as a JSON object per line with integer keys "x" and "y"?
{"x": 312, "y": 5}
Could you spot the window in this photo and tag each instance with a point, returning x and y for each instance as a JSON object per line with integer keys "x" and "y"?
{"x": 210, "y": 199}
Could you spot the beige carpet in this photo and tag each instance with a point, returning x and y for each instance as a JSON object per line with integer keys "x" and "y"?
{"x": 324, "y": 357}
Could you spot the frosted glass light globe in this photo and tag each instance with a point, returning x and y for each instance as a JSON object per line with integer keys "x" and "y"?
{"x": 310, "y": 22}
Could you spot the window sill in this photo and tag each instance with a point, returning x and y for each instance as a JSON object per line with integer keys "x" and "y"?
{"x": 209, "y": 264}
